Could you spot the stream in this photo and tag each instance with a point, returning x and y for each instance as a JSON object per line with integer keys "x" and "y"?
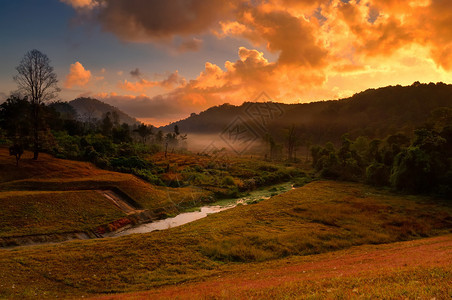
{"x": 202, "y": 212}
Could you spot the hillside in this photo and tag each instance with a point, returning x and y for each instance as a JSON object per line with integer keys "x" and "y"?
{"x": 418, "y": 269}
{"x": 89, "y": 109}
{"x": 374, "y": 113}
{"x": 300, "y": 228}
{"x": 55, "y": 196}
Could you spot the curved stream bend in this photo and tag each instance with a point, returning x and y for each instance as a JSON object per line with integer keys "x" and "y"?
{"x": 204, "y": 211}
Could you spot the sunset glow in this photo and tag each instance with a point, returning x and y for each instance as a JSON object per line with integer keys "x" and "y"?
{"x": 162, "y": 60}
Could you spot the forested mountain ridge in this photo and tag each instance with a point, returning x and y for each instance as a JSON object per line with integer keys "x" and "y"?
{"x": 89, "y": 109}
{"x": 375, "y": 113}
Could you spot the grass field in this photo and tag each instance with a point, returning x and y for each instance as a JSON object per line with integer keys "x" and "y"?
{"x": 30, "y": 213}
{"x": 319, "y": 218}
{"x": 419, "y": 269}
{"x": 55, "y": 195}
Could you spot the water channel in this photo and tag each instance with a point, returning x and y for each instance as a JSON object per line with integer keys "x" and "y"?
{"x": 202, "y": 212}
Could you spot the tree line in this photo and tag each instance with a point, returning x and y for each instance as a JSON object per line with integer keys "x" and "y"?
{"x": 418, "y": 164}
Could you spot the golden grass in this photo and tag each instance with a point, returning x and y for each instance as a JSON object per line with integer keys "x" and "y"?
{"x": 31, "y": 213}
{"x": 420, "y": 269}
{"x": 52, "y": 174}
{"x": 318, "y": 218}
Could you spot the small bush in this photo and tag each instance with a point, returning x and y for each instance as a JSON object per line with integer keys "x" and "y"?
{"x": 378, "y": 174}
{"x": 148, "y": 176}
{"x": 228, "y": 181}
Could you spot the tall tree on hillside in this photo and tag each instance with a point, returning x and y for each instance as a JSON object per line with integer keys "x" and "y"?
{"x": 37, "y": 80}
{"x": 144, "y": 131}
{"x": 159, "y": 137}
{"x": 292, "y": 139}
{"x": 107, "y": 124}
{"x": 173, "y": 139}
{"x": 14, "y": 119}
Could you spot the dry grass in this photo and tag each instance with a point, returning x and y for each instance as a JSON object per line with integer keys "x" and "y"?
{"x": 30, "y": 213}
{"x": 420, "y": 269}
{"x": 319, "y": 218}
{"x": 52, "y": 174}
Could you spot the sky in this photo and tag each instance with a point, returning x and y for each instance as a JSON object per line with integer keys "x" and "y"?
{"x": 161, "y": 60}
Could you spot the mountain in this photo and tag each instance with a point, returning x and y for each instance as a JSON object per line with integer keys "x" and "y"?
{"x": 89, "y": 109}
{"x": 374, "y": 113}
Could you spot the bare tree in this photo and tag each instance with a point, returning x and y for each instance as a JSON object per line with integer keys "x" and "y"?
{"x": 37, "y": 80}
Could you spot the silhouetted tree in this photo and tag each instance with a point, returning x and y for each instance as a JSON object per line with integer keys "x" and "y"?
{"x": 107, "y": 124}
{"x": 173, "y": 139}
{"x": 17, "y": 150}
{"x": 37, "y": 80}
{"x": 159, "y": 137}
{"x": 291, "y": 140}
{"x": 169, "y": 138}
{"x": 144, "y": 131}
{"x": 15, "y": 118}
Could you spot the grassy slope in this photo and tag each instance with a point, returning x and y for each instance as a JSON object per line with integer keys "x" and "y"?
{"x": 26, "y": 213}
{"x": 419, "y": 269}
{"x": 318, "y": 218}
{"x": 49, "y": 173}
{"x": 33, "y": 212}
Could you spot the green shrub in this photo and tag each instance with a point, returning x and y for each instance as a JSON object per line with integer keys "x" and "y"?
{"x": 228, "y": 181}
{"x": 133, "y": 162}
{"x": 378, "y": 174}
{"x": 148, "y": 176}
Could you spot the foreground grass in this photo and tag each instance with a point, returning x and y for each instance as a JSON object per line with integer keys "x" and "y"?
{"x": 318, "y": 218}
{"x": 29, "y": 213}
{"x": 420, "y": 269}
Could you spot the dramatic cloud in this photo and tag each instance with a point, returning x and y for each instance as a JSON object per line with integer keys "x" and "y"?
{"x": 77, "y": 76}
{"x": 242, "y": 80}
{"x": 318, "y": 48}
{"x": 309, "y": 33}
{"x": 293, "y": 37}
{"x": 144, "y": 20}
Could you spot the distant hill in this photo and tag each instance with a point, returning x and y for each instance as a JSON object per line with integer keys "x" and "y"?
{"x": 89, "y": 109}
{"x": 374, "y": 113}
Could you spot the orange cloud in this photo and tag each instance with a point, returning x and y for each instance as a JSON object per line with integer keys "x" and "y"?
{"x": 322, "y": 48}
{"x": 239, "y": 81}
{"x": 78, "y": 76}
{"x": 80, "y": 3}
{"x": 172, "y": 81}
{"x": 307, "y": 33}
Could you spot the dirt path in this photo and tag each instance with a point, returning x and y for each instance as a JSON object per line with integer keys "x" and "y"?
{"x": 356, "y": 262}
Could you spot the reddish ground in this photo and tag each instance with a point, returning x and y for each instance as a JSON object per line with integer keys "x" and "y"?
{"x": 354, "y": 262}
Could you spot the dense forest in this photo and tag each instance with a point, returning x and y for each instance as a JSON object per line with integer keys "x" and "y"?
{"x": 375, "y": 113}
